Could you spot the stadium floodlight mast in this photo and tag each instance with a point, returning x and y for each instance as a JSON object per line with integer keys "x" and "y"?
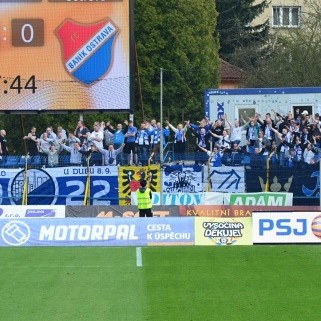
{"x": 161, "y": 149}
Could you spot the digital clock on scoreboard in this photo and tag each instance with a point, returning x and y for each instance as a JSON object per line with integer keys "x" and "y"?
{"x": 60, "y": 55}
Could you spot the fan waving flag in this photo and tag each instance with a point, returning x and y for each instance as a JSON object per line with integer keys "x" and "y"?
{"x": 87, "y": 49}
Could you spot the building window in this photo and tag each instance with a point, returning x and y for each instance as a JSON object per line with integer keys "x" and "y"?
{"x": 286, "y": 17}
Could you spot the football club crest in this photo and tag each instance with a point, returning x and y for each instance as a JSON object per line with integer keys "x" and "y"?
{"x": 87, "y": 49}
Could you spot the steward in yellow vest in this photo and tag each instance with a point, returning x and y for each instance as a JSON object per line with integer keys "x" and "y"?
{"x": 144, "y": 199}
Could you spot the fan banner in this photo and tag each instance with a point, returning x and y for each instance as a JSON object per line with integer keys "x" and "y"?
{"x": 183, "y": 179}
{"x": 303, "y": 183}
{"x": 129, "y": 177}
{"x": 60, "y": 186}
{"x": 227, "y": 179}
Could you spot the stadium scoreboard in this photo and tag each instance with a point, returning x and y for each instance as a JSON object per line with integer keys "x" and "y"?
{"x": 58, "y": 55}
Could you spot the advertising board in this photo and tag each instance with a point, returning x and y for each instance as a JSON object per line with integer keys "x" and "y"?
{"x": 97, "y": 232}
{"x": 65, "y": 55}
{"x": 287, "y": 227}
{"x": 34, "y": 211}
{"x": 223, "y": 231}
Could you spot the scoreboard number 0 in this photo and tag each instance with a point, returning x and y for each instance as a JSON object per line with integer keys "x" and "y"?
{"x": 27, "y": 32}
{"x": 23, "y": 33}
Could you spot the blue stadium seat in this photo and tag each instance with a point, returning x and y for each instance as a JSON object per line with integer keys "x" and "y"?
{"x": 35, "y": 160}
{"x": 64, "y": 160}
{"x": 22, "y": 161}
{"x": 11, "y": 161}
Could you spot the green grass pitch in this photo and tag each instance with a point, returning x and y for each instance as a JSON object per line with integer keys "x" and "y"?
{"x": 175, "y": 283}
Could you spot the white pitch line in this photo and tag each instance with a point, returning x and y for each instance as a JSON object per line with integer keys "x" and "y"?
{"x": 56, "y": 267}
{"x": 139, "y": 257}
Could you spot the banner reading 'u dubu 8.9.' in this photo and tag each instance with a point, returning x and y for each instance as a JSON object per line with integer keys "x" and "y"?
{"x": 60, "y": 186}
{"x": 97, "y": 232}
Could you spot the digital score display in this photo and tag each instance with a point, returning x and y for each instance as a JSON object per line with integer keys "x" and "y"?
{"x": 58, "y": 55}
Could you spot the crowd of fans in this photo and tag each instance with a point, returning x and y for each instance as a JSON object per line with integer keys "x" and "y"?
{"x": 273, "y": 140}
{"x": 122, "y": 144}
{"x": 285, "y": 141}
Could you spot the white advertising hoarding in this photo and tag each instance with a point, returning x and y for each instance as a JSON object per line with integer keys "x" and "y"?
{"x": 286, "y": 227}
{"x": 32, "y": 211}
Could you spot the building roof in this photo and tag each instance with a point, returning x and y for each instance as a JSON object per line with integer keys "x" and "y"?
{"x": 230, "y": 72}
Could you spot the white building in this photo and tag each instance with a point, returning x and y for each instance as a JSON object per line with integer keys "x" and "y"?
{"x": 283, "y": 14}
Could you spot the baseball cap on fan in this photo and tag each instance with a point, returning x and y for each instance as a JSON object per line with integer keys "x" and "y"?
{"x": 305, "y": 112}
